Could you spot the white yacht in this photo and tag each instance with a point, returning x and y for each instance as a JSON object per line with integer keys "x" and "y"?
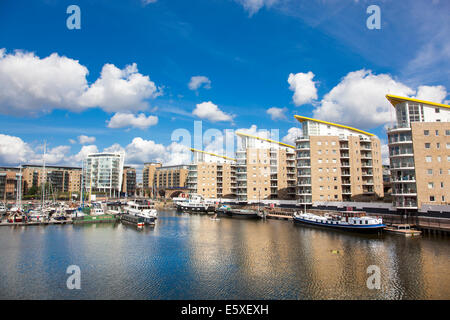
{"x": 195, "y": 203}
{"x": 97, "y": 209}
{"x": 2, "y": 208}
{"x": 142, "y": 208}
{"x": 37, "y": 215}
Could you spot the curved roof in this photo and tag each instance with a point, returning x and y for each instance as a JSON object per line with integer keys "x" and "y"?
{"x": 264, "y": 139}
{"x": 302, "y": 119}
{"x": 394, "y": 100}
{"x": 212, "y": 154}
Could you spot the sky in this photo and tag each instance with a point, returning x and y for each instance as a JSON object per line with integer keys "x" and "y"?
{"x": 140, "y": 75}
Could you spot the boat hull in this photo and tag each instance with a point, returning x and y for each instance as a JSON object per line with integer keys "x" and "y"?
{"x": 238, "y": 214}
{"x": 194, "y": 209}
{"x": 359, "y": 229}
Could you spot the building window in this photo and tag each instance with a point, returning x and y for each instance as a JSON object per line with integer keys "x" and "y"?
{"x": 426, "y": 132}
{"x": 428, "y": 158}
{"x": 430, "y": 185}
{"x": 427, "y": 145}
{"x": 447, "y": 132}
{"x": 437, "y": 110}
{"x": 437, "y": 132}
{"x": 430, "y": 171}
{"x": 432, "y": 198}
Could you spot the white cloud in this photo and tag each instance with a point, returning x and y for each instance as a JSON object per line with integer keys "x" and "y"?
{"x": 304, "y": 87}
{"x": 120, "y": 90}
{"x": 211, "y": 112}
{"x": 253, "y": 6}
{"x": 359, "y": 100}
{"x": 197, "y": 81}
{"x": 146, "y": 2}
{"x": 72, "y": 141}
{"x": 85, "y": 139}
{"x": 141, "y": 121}
{"x": 13, "y": 150}
{"x": 277, "y": 113}
{"x": 82, "y": 154}
{"x": 141, "y": 150}
{"x": 293, "y": 134}
{"x": 432, "y": 93}
{"x": 31, "y": 85}
{"x": 384, "y": 152}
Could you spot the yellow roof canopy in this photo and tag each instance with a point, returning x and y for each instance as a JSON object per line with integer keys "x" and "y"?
{"x": 264, "y": 139}
{"x": 212, "y": 154}
{"x": 303, "y": 119}
{"x": 394, "y": 100}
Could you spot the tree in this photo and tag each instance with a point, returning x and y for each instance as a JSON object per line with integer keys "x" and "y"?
{"x": 162, "y": 193}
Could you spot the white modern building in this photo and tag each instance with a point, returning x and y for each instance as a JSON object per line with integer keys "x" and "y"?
{"x": 103, "y": 172}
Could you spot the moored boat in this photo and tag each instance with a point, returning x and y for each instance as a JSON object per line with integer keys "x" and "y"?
{"x": 356, "y": 221}
{"x": 195, "y": 203}
{"x": 403, "y": 229}
{"x": 238, "y": 213}
{"x": 143, "y": 209}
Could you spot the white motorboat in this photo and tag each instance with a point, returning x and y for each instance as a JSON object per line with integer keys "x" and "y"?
{"x": 195, "y": 203}
{"x": 142, "y": 208}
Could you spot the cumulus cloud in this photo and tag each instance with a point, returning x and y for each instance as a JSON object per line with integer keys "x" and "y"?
{"x": 432, "y": 93}
{"x": 82, "y": 154}
{"x": 253, "y": 6}
{"x": 141, "y": 121}
{"x": 277, "y": 113}
{"x": 120, "y": 90}
{"x": 292, "y": 135}
{"x": 359, "y": 100}
{"x": 384, "y": 152}
{"x": 211, "y": 112}
{"x": 14, "y": 150}
{"x": 141, "y": 150}
{"x": 31, "y": 85}
{"x": 198, "y": 81}
{"x": 304, "y": 88}
{"x": 85, "y": 139}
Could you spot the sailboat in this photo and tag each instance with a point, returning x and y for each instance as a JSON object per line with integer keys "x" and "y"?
{"x": 39, "y": 214}
{"x": 16, "y": 212}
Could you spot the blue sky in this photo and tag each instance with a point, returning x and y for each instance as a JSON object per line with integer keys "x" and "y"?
{"x": 244, "y": 50}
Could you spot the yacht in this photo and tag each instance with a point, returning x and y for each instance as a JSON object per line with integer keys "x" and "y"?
{"x": 143, "y": 209}
{"x": 238, "y": 213}
{"x": 2, "y": 208}
{"x": 38, "y": 215}
{"x": 97, "y": 209}
{"x": 346, "y": 220}
{"x": 195, "y": 203}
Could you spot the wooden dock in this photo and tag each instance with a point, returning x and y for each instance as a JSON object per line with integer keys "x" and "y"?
{"x": 36, "y": 223}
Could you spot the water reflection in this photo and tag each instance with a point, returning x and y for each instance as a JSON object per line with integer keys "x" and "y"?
{"x": 194, "y": 257}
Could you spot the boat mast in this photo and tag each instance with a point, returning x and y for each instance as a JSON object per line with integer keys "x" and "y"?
{"x": 19, "y": 190}
{"x": 43, "y": 177}
{"x": 82, "y": 184}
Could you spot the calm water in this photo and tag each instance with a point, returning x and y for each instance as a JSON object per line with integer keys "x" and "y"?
{"x": 193, "y": 257}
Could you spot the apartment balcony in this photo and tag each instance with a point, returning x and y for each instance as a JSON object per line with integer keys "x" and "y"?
{"x": 398, "y": 128}
{"x": 405, "y": 203}
{"x": 402, "y": 165}
{"x": 404, "y": 192}
{"x": 344, "y": 155}
{"x": 345, "y": 164}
